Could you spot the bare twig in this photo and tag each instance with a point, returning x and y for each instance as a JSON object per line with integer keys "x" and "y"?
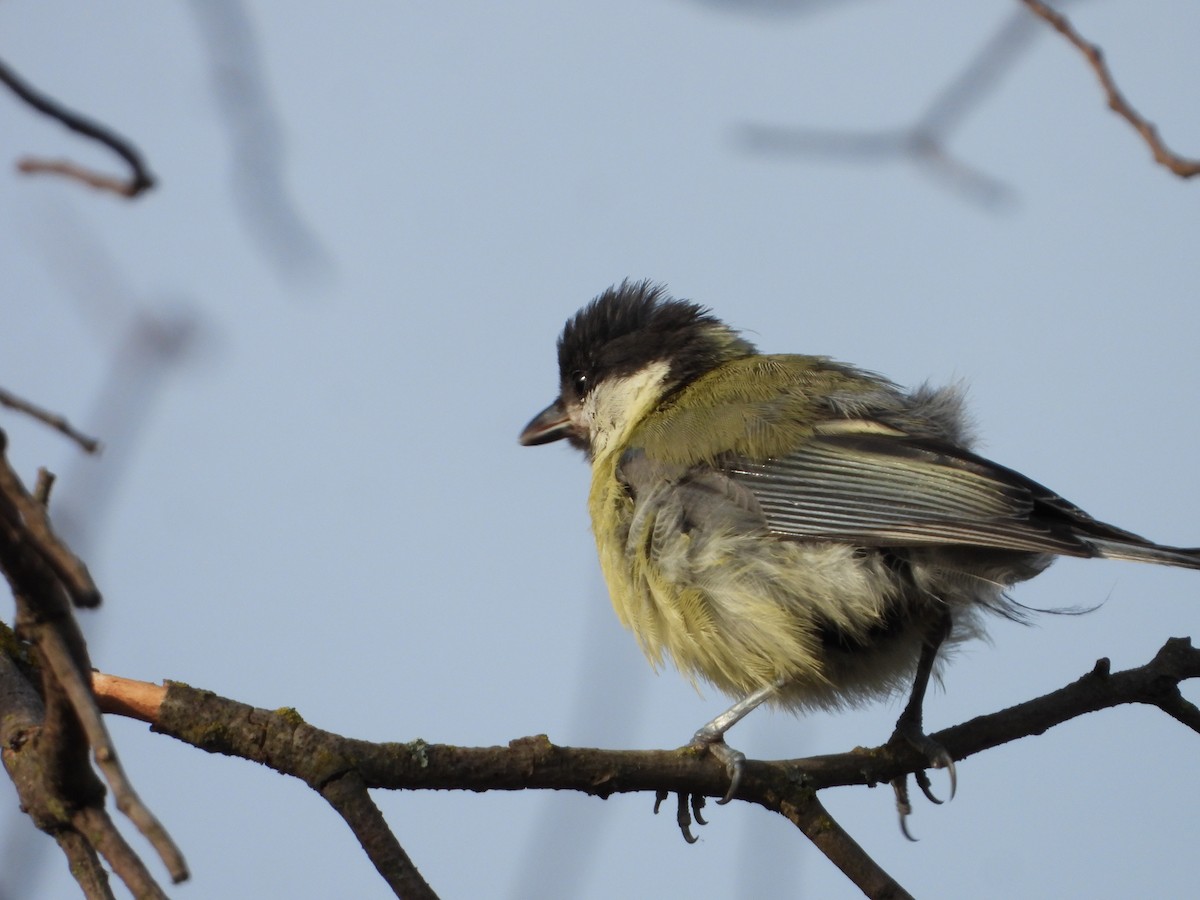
{"x": 1154, "y": 684}
{"x": 126, "y": 697}
{"x": 33, "y": 527}
{"x": 85, "y": 864}
{"x": 1181, "y": 710}
{"x": 45, "y": 483}
{"x": 811, "y": 817}
{"x": 58, "y": 657}
{"x": 348, "y": 795}
{"x": 140, "y": 179}
{"x": 1181, "y": 166}
{"x": 94, "y": 822}
{"x": 54, "y": 420}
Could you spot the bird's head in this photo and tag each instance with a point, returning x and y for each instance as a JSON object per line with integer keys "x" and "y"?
{"x": 620, "y": 356}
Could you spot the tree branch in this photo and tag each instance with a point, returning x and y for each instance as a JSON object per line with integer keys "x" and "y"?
{"x": 95, "y": 823}
{"x": 58, "y": 787}
{"x": 282, "y": 741}
{"x": 348, "y": 795}
{"x": 842, "y": 850}
{"x": 1180, "y": 165}
{"x": 45, "y": 796}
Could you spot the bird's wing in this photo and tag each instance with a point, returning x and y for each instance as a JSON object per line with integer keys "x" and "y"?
{"x": 879, "y": 487}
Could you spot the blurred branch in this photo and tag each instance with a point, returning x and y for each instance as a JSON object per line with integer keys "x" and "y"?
{"x": 49, "y": 730}
{"x": 258, "y": 143}
{"x": 54, "y": 420}
{"x": 282, "y": 741}
{"x": 1181, "y": 166}
{"x": 923, "y": 143}
{"x": 924, "y": 148}
{"x": 140, "y": 179}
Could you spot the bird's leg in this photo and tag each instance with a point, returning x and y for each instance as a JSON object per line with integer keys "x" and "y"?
{"x": 711, "y": 737}
{"x": 910, "y": 726}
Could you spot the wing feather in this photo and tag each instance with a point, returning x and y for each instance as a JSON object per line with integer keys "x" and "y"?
{"x": 885, "y": 489}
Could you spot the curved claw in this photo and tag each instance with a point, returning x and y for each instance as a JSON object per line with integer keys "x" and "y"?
{"x": 953, "y": 773}
{"x": 682, "y": 816}
{"x": 926, "y": 787}
{"x": 923, "y": 783}
{"x": 942, "y": 762}
{"x": 903, "y": 807}
{"x": 659, "y": 798}
{"x": 684, "y": 820}
{"x": 735, "y": 765}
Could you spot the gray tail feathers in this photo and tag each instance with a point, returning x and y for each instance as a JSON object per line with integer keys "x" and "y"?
{"x": 1187, "y": 557}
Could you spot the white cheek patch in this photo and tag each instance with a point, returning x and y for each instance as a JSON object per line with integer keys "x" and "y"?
{"x": 615, "y": 405}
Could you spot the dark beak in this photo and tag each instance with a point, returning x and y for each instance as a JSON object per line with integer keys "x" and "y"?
{"x": 550, "y": 425}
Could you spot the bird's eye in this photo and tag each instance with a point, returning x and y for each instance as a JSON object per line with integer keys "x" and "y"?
{"x": 579, "y": 381}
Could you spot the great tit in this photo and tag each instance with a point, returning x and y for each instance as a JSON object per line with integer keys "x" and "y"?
{"x": 791, "y": 529}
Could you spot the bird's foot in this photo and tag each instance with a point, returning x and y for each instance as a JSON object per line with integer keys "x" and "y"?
{"x": 709, "y": 740}
{"x": 713, "y": 741}
{"x": 938, "y": 758}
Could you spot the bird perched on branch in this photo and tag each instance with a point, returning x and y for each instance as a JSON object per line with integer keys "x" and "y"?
{"x": 791, "y": 529}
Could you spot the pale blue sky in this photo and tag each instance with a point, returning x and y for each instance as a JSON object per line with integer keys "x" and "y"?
{"x": 325, "y": 505}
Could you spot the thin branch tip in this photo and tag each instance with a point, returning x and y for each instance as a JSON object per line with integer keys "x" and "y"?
{"x": 1116, "y": 101}
{"x": 54, "y": 420}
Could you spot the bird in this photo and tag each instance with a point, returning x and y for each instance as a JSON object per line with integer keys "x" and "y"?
{"x": 791, "y": 529}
